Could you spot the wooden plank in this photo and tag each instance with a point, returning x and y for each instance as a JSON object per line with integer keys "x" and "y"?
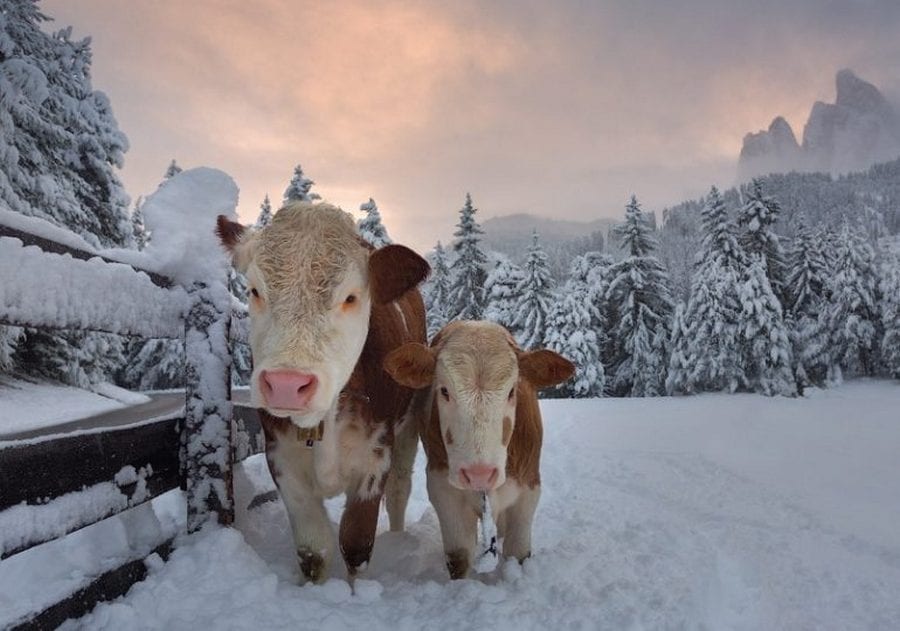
{"x": 58, "y": 248}
{"x": 105, "y": 587}
{"x": 34, "y": 473}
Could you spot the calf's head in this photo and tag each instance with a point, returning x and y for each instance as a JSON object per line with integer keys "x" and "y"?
{"x": 311, "y": 284}
{"x": 476, "y": 372}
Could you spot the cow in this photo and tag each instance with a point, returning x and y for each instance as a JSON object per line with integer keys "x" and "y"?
{"x": 480, "y": 425}
{"x": 325, "y": 309}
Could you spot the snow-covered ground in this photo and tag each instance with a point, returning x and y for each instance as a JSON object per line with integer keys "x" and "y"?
{"x": 715, "y": 512}
{"x": 26, "y": 405}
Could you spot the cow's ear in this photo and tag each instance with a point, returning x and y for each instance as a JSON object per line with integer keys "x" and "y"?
{"x": 545, "y": 368}
{"x": 237, "y": 239}
{"x": 411, "y": 365}
{"x": 229, "y": 232}
{"x": 393, "y": 271}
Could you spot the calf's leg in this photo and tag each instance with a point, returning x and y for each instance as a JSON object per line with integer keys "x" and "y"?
{"x": 515, "y": 524}
{"x": 399, "y": 481}
{"x": 358, "y": 524}
{"x": 457, "y": 514}
{"x": 291, "y": 466}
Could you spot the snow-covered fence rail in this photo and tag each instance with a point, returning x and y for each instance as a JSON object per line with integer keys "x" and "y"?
{"x": 53, "y": 486}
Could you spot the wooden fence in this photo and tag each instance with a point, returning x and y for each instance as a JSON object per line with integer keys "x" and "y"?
{"x": 194, "y": 451}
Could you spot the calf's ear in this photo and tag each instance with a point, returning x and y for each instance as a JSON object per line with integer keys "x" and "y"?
{"x": 545, "y": 368}
{"x": 411, "y": 365}
{"x": 232, "y": 235}
{"x": 394, "y": 270}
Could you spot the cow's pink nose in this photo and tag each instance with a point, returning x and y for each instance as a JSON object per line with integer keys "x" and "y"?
{"x": 479, "y": 477}
{"x": 287, "y": 389}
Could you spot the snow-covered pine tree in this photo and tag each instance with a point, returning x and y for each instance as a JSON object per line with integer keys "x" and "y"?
{"x": 640, "y": 296}
{"x": 370, "y": 227}
{"x": 534, "y": 297}
{"x": 705, "y": 346}
{"x": 139, "y": 233}
{"x": 436, "y": 291}
{"x": 572, "y": 331}
{"x": 890, "y": 314}
{"x": 241, "y": 357}
{"x": 765, "y": 348}
{"x": 806, "y": 282}
{"x": 265, "y": 214}
{"x": 299, "y": 188}
{"x": 59, "y": 148}
{"x": 501, "y": 288}
{"x": 757, "y": 217}
{"x": 851, "y": 317}
{"x": 467, "y": 297}
{"x": 158, "y": 364}
{"x": 172, "y": 170}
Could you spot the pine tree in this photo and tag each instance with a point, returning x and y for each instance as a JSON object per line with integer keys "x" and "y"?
{"x": 60, "y": 147}
{"x": 705, "y": 346}
{"x": 370, "y": 227}
{"x": 241, "y": 357}
{"x": 158, "y": 364}
{"x": 265, "y": 214}
{"x": 467, "y": 297}
{"x": 501, "y": 288}
{"x": 172, "y": 170}
{"x": 572, "y": 332}
{"x": 890, "y": 315}
{"x": 140, "y": 234}
{"x": 436, "y": 292}
{"x": 757, "y": 217}
{"x": 640, "y": 296}
{"x": 851, "y": 317}
{"x": 806, "y": 282}
{"x": 534, "y": 298}
{"x": 299, "y": 188}
{"x": 766, "y": 350}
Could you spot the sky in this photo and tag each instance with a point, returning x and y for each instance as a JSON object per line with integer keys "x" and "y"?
{"x": 561, "y": 109}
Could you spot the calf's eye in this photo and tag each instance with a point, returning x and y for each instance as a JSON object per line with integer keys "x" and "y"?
{"x": 511, "y": 394}
{"x": 445, "y": 393}
{"x": 253, "y": 292}
{"x": 349, "y": 300}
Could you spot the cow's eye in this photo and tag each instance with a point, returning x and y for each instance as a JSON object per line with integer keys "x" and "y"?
{"x": 253, "y": 292}
{"x": 511, "y": 394}
{"x": 445, "y": 393}
{"x": 349, "y": 300}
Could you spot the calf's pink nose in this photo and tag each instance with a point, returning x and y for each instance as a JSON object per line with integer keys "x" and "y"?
{"x": 479, "y": 477}
{"x": 287, "y": 389}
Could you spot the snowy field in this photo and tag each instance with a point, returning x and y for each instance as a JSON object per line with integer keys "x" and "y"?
{"x": 708, "y": 512}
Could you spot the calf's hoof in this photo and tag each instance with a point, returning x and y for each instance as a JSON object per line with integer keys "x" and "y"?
{"x": 357, "y": 561}
{"x": 458, "y": 563}
{"x": 312, "y": 565}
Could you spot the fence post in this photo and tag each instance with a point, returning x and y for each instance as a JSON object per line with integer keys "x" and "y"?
{"x": 208, "y": 411}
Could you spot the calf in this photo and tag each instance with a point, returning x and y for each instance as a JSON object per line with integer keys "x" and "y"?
{"x": 325, "y": 309}
{"x": 480, "y": 425}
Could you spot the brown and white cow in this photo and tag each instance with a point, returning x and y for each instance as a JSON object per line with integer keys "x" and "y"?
{"x": 325, "y": 309}
{"x": 480, "y": 425}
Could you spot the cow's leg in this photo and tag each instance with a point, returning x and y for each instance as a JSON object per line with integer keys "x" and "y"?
{"x": 516, "y": 524}
{"x": 399, "y": 482}
{"x": 291, "y": 465}
{"x": 457, "y": 515}
{"x": 358, "y": 523}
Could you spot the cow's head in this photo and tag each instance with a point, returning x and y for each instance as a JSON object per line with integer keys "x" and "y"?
{"x": 475, "y": 371}
{"x": 312, "y": 283}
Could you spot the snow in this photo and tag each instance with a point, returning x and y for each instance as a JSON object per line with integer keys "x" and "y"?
{"x": 44, "y": 229}
{"x": 715, "y": 511}
{"x": 25, "y": 405}
{"x": 181, "y": 215}
{"x": 41, "y": 288}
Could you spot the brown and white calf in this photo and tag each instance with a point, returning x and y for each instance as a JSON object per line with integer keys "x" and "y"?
{"x": 480, "y": 425}
{"x": 325, "y": 309}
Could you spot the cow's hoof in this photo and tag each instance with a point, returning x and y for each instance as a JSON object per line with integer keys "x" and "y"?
{"x": 312, "y": 565}
{"x": 458, "y": 563}
{"x": 357, "y": 561}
